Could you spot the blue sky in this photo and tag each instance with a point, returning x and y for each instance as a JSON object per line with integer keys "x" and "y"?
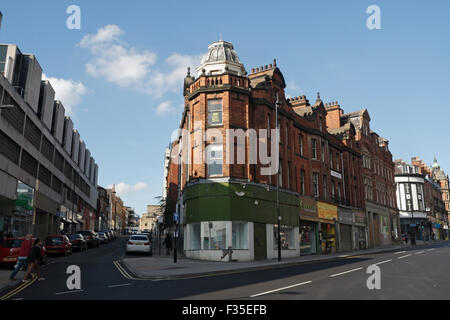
{"x": 126, "y": 114}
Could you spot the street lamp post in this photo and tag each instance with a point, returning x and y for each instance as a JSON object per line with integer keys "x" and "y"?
{"x": 277, "y": 103}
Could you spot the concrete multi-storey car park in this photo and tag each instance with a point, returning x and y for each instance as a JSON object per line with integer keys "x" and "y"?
{"x": 48, "y": 180}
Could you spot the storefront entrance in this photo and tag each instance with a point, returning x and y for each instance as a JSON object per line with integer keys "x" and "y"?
{"x": 260, "y": 241}
{"x": 308, "y": 237}
{"x": 345, "y": 237}
{"x": 328, "y": 238}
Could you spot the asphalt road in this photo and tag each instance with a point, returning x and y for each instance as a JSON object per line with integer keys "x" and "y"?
{"x": 419, "y": 273}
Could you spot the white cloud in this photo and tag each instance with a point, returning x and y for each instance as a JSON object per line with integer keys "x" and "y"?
{"x": 106, "y": 34}
{"x": 69, "y": 92}
{"x": 125, "y": 189}
{"x": 164, "y": 107}
{"x": 126, "y": 66}
{"x": 161, "y": 83}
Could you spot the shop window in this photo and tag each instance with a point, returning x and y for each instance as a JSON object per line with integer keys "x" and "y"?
{"x": 214, "y": 235}
{"x": 287, "y": 237}
{"x": 195, "y": 243}
{"x": 239, "y": 235}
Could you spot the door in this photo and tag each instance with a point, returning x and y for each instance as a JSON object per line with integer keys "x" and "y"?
{"x": 345, "y": 237}
{"x": 260, "y": 241}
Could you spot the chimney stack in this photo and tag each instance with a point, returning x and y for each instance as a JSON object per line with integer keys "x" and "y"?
{"x": 1, "y": 18}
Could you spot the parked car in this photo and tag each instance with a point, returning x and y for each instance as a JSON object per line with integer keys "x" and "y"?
{"x": 58, "y": 244}
{"x": 96, "y": 237}
{"x": 78, "y": 241}
{"x": 109, "y": 234}
{"x": 138, "y": 243}
{"x": 91, "y": 239}
{"x": 10, "y": 249}
{"x": 103, "y": 237}
{"x": 114, "y": 234}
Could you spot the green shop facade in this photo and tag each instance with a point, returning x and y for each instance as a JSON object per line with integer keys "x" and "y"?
{"x": 221, "y": 214}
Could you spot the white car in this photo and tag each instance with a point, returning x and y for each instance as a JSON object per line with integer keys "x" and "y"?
{"x": 138, "y": 243}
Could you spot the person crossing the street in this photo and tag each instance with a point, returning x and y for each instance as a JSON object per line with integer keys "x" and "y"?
{"x": 33, "y": 260}
{"x": 22, "y": 260}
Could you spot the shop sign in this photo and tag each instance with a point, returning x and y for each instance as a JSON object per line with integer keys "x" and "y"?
{"x": 360, "y": 217}
{"x": 336, "y": 174}
{"x": 327, "y": 211}
{"x": 437, "y": 225}
{"x": 308, "y": 207}
{"x": 345, "y": 216}
{"x": 25, "y": 196}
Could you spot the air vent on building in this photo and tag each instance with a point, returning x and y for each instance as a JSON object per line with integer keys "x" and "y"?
{"x": 15, "y": 116}
{"x": 45, "y": 175}
{"x": 33, "y": 134}
{"x": 9, "y": 148}
{"x": 29, "y": 164}
{"x": 47, "y": 149}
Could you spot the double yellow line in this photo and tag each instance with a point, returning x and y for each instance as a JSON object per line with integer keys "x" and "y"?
{"x": 124, "y": 272}
{"x": 18, "y": 289}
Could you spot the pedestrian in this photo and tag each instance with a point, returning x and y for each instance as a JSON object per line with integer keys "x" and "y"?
{"x": 168, "y": 243}
{"x": 24, "y": 252}
{"x": 33, "y": 260}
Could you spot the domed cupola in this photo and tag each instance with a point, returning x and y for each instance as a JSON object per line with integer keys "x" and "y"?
{"x": 221, "y": 58}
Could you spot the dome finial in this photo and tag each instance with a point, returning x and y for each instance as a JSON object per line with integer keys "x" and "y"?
{"x": 189, "y": 72}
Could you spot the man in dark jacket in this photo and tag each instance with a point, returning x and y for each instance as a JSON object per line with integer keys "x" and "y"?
{"x": 24, "y": 252}
{"x": 33, "y": 260}
{"x": 168, "y": 243}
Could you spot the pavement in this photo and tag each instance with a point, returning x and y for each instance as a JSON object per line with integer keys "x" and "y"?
{"x": 163, "y": 268}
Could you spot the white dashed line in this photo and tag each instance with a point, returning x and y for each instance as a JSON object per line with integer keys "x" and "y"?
{"x": 419, "y": 252}
{"x": 386, "y": 261}
{"x": 338, "y": 274}
{"x": 408, "y": 255}
{"x": 73, "y": 291}
{"x": 120, "y": 285}
{"x": 280, "y": 289}
{"x": 430, "y": 249}
{"x": 399, "y": 252}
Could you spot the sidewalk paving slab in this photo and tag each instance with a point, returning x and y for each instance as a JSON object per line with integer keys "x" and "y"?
{"x": 163, "y": 267}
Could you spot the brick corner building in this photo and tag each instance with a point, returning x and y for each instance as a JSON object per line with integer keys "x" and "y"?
{"x": 227, "y": 183}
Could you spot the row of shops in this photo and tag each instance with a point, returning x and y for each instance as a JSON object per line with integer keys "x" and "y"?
{"x": 425, "y": 227}
{"x": 244, "y": 219}
{"x": 326, "y": 228}
{"x": 31, "y": 212}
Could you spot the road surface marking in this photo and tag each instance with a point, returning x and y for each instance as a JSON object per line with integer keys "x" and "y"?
{"x": 72, "y": 291}
{"x": 122, "y": 270}
{"x": 338, "y": 274}
{"x": 119, "y": 285}
{"x": 18, "y": 289}
{"x": 430, "y": 249}
{"x": 408, "y": 255}
{"x": 386, "y": 261}
{"x": 399, "y": 252}
{"x": 419, "y": 252}
{"x": 280, "y": 289}
{"x": 344, "y": 256}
